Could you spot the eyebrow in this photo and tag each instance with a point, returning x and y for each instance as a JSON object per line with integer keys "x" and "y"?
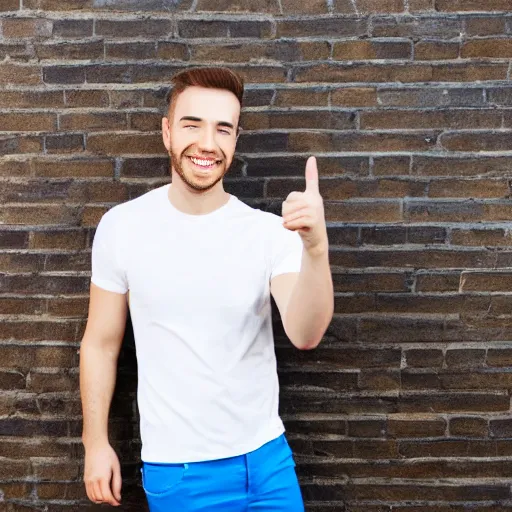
{"x": 198, "y": 120}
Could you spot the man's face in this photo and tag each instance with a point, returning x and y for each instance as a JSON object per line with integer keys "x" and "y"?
{"x": 201, "y": 135}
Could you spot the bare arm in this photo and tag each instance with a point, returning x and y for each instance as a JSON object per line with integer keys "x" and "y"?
{"x": 99, "y": 352}
{"x": 306, "y": 300}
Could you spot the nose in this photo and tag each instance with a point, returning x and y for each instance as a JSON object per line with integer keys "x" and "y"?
{"x": 207, "y": 140}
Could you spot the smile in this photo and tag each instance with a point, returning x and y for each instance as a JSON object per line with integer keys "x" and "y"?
{"x": 203, "y": 162}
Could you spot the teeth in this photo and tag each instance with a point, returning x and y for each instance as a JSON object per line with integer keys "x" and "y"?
{"x": 203, "y": 163}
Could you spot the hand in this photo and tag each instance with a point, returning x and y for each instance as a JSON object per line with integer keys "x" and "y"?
{"x": 304, "y": 212}
{"x": 101, "y": 468}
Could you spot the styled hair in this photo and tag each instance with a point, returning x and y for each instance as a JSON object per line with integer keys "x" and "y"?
{"x": 208, "y": 77}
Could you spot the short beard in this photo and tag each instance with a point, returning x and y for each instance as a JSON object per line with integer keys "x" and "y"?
{"x": 176, "y": 165}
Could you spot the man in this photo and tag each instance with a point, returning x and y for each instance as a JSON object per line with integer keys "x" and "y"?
{"x": 196, "y": 266}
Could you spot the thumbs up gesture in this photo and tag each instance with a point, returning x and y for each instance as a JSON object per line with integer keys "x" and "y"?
{"x": 304, "y": 212}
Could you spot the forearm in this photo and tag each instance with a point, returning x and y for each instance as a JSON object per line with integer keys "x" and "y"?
{"x": 311, "y": 304}
{"x": 97, "y": 383}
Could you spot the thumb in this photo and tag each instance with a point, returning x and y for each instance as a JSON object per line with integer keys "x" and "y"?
{"x": 311, "y": 175}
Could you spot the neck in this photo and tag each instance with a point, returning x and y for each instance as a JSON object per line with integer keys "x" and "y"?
{"x": 194, "y": 202}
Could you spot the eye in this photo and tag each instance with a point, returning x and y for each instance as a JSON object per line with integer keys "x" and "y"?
{"x": 224, "y": 132}
{"x": 190, "y": 126}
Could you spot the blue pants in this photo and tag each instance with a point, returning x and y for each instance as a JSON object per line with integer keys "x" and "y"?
{"x": 263, "y": 480}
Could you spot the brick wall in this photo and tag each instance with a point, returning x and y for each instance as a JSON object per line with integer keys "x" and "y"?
{"x": 407, "y": 104}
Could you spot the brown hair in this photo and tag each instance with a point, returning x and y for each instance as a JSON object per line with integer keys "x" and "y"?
{"x": 209, "y": 77}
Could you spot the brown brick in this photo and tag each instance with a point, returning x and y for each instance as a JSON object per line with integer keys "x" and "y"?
{"x": 38, "y": 331}
{"x": 299, "y": 7}
{"x": 485, "y": 25}
{"x": 172, "y": 51}
{"x": 375, "y": 6}
{"x": 91, "y": 215}
{"x": 408, "y": 26}
{"x": 13, "y": 239}
{"x": 379, "y": 380}
{"x": 465, "y": 358}
{"x": 71, "y": 307}
{"x": 498, "y": 141}
{"x": 86, "y": 98}
{"x": 332, "y": 381}
{"x": 362, "y": 72}
{"x": 57, "y": 5}
{"x": 28, "y": 99}
{"x": 426, "y": 258}
{"x": 469, "y": 72}
{"x": 438, "y": 282}
{"x": 469, "y": 188}
{"x": 26, "y": 27}
{"x": 367, "y": 282}
{"x": 145, "y": 121}
{"x": 369, "y": 50}
{"x": 367, "y": 211}
{"x": 454, "y": 119}
{"x": 18, "y": 74}
{"x": 436, "y": 50}
{"x": 416, "y": 425}
{"x": 73, "y": 167}
{"x": 272, "y": 51}
{"x": 324, "y": 27}
{"x": 138, "y": 50}
{"x": 500, "y": 305}
{"x": 119, "y": 143}
{"x": 213, "y": 28}
{"x": 431, "y": 96}
{"x": 327, "y": 120}
{"x": 38, "y": 215}
{"x": 454, "y": 402}
{"x": 89, "y": 50}
{"x": 16, "y": 51}
{"x": 355, "y": 141}
{"x": 301, "y": 98}
{"x": 150, "y": 28}
{"x": 469, "y": 426}
{"x": 64, "y": 143}
{"x": 472, "y": 5}
{"x": 424, "y": 358}
{"x": 64, "y": 74}
{"x": 10, "y": 5}
{"x": 12, "y": 167}
{"x": 354, "y": 97}
{"x": 443, "y": 211}
{"x": 14, "y": 144}
{"x": 266, "y": 6}
{"x": 68, "y": 239}
{"x": 487, "y": 48}
{"x": 97, "y": 121}
{"x": 145, "y": 167}
{"x": 499, "y": 357}
{"x": 126, "y": 99}
{"x": 391, "y": 166}
{"x": 28, "y": 122}
{"x": 421, "y": 5}
{"x": 366, "y": 428}
{"x": 481, "y": 237}
{"x": 72, "y": 28}
{"x": 461, "y": 166}
{"x": 486, "y": 281}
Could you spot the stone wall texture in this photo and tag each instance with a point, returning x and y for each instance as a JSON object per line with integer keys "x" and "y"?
{"x": 407, "y": 104}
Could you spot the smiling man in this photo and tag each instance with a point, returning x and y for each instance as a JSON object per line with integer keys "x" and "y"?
{"x": 196, "y": 267}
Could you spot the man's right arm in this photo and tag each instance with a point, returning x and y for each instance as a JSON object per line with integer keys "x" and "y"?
{"x": 99, "y": 352}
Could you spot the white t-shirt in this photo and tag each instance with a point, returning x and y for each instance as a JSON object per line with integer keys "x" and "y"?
{"x": 201, "y": 312}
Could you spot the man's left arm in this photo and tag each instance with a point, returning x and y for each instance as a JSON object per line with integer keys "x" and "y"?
{"x": 306, "y": 299}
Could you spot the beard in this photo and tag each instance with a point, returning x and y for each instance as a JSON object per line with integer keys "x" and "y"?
{"x": 199, "y": 185}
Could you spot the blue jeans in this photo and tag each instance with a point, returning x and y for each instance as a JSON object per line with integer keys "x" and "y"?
{"x": 263, "y": 480}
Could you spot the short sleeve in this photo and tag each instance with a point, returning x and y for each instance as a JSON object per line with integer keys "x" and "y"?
{"x": 285, "y": 249}
{"x": 106, "y": 271}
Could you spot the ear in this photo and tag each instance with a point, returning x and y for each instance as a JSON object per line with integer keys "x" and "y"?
{"x": 166, "y": 133}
